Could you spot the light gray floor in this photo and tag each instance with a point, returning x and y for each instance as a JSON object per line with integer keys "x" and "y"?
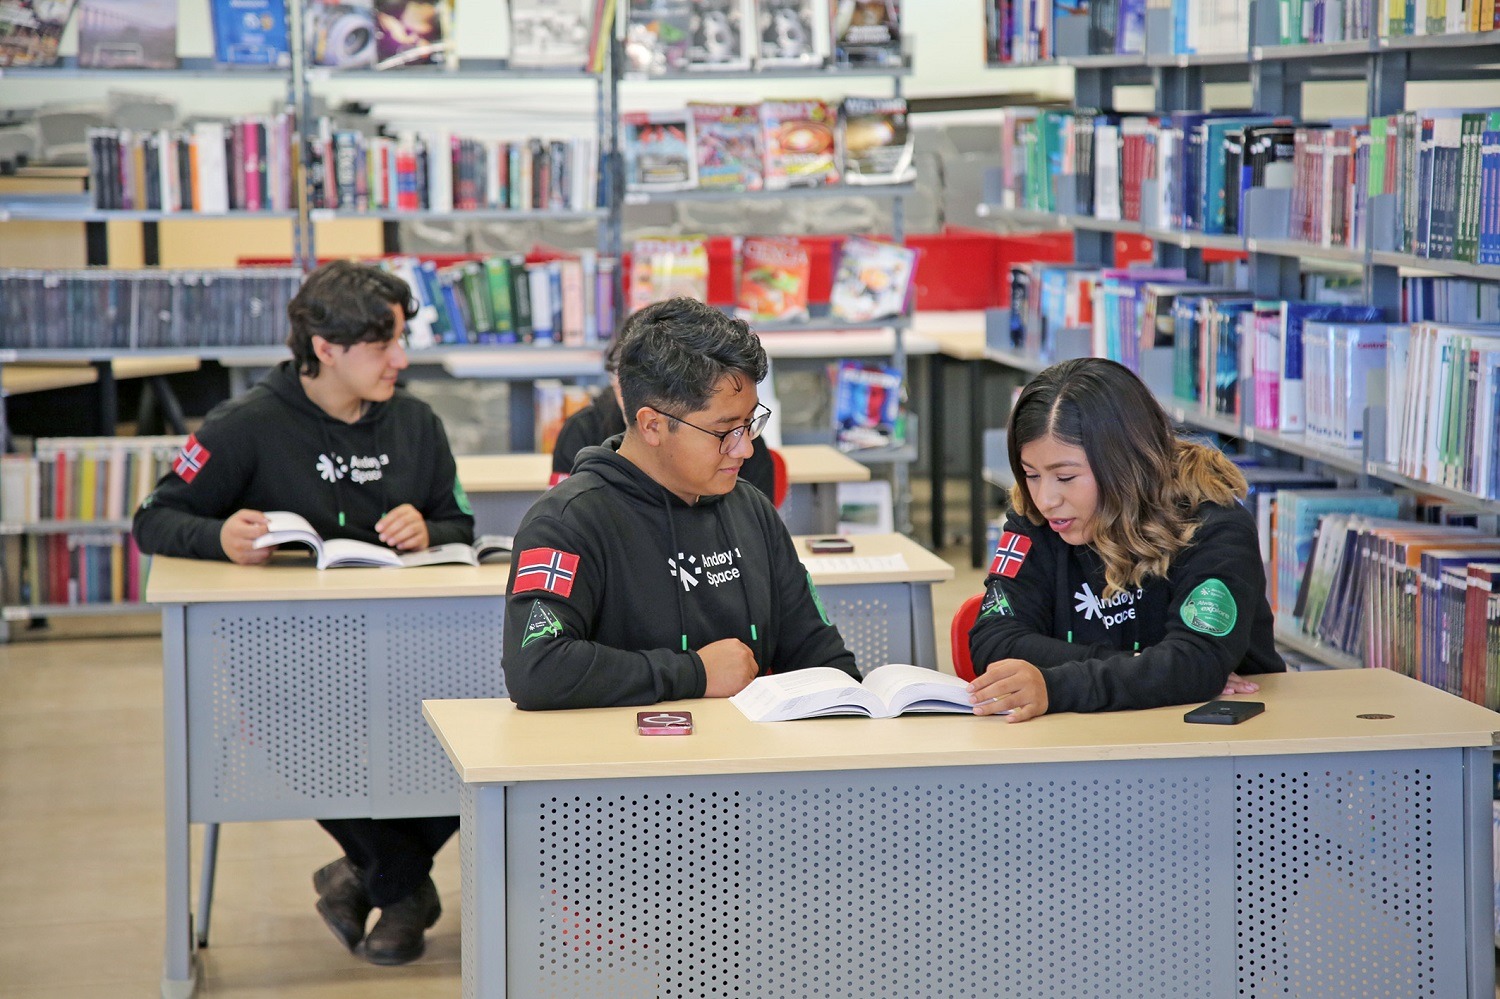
{"x": 82, "y": 854}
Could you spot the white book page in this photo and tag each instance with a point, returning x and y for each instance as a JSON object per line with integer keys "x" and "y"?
{"x": 348, "y": 552}
{"x": 454, "y": 552}
{"x": 805, "y": 693}
{"x": 904, "y": 687}
{"x": 860, "y": 563}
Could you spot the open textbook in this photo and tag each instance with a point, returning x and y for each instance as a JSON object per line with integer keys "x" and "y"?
{"x": 287, "y": 528}
{"x": 888, "y": 691}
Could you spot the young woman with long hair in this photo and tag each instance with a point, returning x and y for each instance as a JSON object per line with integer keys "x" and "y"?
{"x": 1128, "y": 574}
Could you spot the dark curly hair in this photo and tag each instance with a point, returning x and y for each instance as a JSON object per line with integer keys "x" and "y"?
{"x": 673, "y": 354}
{"x": 344, "y": 303}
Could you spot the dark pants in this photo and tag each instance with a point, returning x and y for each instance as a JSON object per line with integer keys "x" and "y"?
{"x": 394, "y": 854}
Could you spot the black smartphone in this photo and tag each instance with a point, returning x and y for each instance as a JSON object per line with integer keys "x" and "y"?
{"x": 664, "y": 723}
{"x": 830, "y": 546}
{"x": 1224, "y": 712}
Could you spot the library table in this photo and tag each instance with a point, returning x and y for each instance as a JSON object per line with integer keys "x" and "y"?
{"x": 290, "y": 693}
{"x": 502, "y": 487}
{"x": 1337, "y": 845}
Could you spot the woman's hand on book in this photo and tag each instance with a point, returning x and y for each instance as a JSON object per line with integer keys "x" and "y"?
{"x": 237, "y": 537}
{"x": 1012, "y": 685}
{"x": 728, "y": 667}
{"x": 403, "y": 529}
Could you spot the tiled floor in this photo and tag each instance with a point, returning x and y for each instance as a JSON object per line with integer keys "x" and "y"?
{"x": 82, "y": 853}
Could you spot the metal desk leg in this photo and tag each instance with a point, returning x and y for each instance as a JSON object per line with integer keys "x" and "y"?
{"x": 206, "y": 880}
{"x": 978, "y": 489}
{"x": 923, "y": 631}
{"x": 180, "y": 972}
{"x": 485, "y": 934}
{"x": 936, "y": 454}
{"x": 1479, "y": 871}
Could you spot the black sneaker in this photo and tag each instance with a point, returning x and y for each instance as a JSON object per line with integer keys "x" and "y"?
{"x": 342, "y": 901}
{"x": 397, "y": 937}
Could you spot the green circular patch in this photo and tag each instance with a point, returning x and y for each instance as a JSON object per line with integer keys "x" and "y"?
{"x": 1210, "y": 609}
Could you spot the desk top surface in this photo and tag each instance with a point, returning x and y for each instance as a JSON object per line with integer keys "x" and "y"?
{"x": 489, "y": 740}
{"x": 292, "y": 577}
{"x": 526, "y": 473}
{"x": 17, "y": 379}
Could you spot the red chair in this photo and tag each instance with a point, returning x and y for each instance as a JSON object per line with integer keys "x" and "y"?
{"x": 968, "y": 613}
{"x": 779, "y": 484}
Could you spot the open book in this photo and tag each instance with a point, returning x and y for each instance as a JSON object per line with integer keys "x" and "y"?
{"x": 287, "y": 528}
{"x": 890, "y": 690}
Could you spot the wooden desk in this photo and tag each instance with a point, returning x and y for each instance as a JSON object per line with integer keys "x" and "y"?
{"x": 19, "y": 378}
{"x": 1307, "y": 852}
{"x": 291, "y": 693}
{"x": 502, "y": 487}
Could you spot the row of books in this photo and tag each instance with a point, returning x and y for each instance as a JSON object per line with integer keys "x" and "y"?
{"x": 1436, "y": 17}
{"x": 870, "y": 280}
{"x": 438, "y": 172}
{"x": 1449, "y": 300}
{"x": 83, "y": 478}
{"x": 706, "y": 36}
{"x": 1027, "y": 31}
{"x": 1439, "y": 170}
{"x": 1443, "y": 405}
{"x": 1420, "y": 599}
{"x": 78, "y": 568}
{"x": 244, "y": 164}
{"x": 509, "y": 300}
{"x": 773, "y": 145}
{"x": 1321, "y": 22}
{"x": 142, "y": 309}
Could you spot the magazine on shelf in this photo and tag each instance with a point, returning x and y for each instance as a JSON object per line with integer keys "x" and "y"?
{"x": 793, "y": 33}
{"x": 871, "y": 280}
{"x": 657, "y": 36}
{"x": 659, "y": 150}
{"x": 250, "y": 33}
{"x": 548, "y": 34}
{"x": 722, "y": 38}
{"x": 867, "y": 406}
{"x": 867, "y": 32}
{"x": 889, "y": 690}
{"x": 800, "y": 145}
{"x": 774, "y": 279}
{"x": 414, "y": 33}
{"x": 340, "y": 33}
{"x": 878, "y": 145}
{"x": 286, "y": 528}
{"x": 127, "y": 34}
{"x": 30, "y": 30}
{"x": 727, "y": 146}
{"x": 667, "y": 268}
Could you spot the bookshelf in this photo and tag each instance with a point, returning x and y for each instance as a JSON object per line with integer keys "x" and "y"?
{"x": 1276, "y": 74}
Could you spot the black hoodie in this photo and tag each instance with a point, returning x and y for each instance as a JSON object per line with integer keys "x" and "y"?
{"x": 645, "y": 580}
{"x": 1207, "y": 619}
{"x": 274, "y": 449}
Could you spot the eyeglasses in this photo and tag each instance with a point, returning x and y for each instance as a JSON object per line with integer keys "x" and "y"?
{"x": 730, "y": 439}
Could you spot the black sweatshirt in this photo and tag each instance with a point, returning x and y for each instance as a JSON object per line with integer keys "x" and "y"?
{"x": 602, "y": 419}
{"x": 1208, "y": 618}
{"x": 639, "y": 580}
{"x": 274, "y": 449}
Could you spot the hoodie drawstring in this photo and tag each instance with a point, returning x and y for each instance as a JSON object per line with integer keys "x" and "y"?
{"x": 666, "y": 504}
{"x": 338, "y": 494}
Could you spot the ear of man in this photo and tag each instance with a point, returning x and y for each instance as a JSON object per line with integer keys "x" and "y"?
{"x": 651, "y": 426}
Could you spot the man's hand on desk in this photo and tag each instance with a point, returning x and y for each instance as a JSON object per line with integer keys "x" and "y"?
{"x": 729, "y": 666}
{"x": 237, "y": 537}
{"x": 403, "y": 529}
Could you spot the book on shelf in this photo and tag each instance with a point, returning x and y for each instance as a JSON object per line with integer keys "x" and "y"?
{"x": 867, "y": 406}
{"x": 1297, "y": 513}
{"x": 414, "y": 33}
{"x": 793, "y": 33}
{"x": 800, "y": 142}
{"x": 552, "y": 34}
{"x": 722, "y": 36}
{"x": 727, "y": 146}
{"x": 340, "y": 34}
{"x": 667, "y": 268}
{"x": 877, "y": 145}
{"x": 659, "y": 150}
{"x": 30, "y": 30}
{"x": 867, "y": 32}
{"x": 821, "y": 691}
{"x": 250, "y": 33}
{"x": 127, "y": 34}
{"x": 1443, "y": 406}
{"x": 286, "y": 528}
{"x": 1345, "y": 375}
{"x": 553, "y": 403}
{"x": 72, "y": 569}
{"x": 657, "y": 36}
{"x": 872, "y": 280}
{"x": 774, "y": 277}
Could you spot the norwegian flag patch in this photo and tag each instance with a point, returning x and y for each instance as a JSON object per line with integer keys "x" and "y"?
{"x": 546, "y": 569}
{"x": 1010, "y": 554}
{"x": 191, "y": 459}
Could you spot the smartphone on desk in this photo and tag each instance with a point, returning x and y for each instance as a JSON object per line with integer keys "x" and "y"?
{"x": 830, "y": 546}
{"x": 663, "y": 723}
{"x": 1224, "y": 712}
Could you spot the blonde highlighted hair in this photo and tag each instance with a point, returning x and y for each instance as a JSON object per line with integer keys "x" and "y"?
{"x": 1151, "y": 481}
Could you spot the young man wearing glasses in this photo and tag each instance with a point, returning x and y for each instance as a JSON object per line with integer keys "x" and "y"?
{"x": 653, "y": 573}
{"x": 330, "y": 436}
